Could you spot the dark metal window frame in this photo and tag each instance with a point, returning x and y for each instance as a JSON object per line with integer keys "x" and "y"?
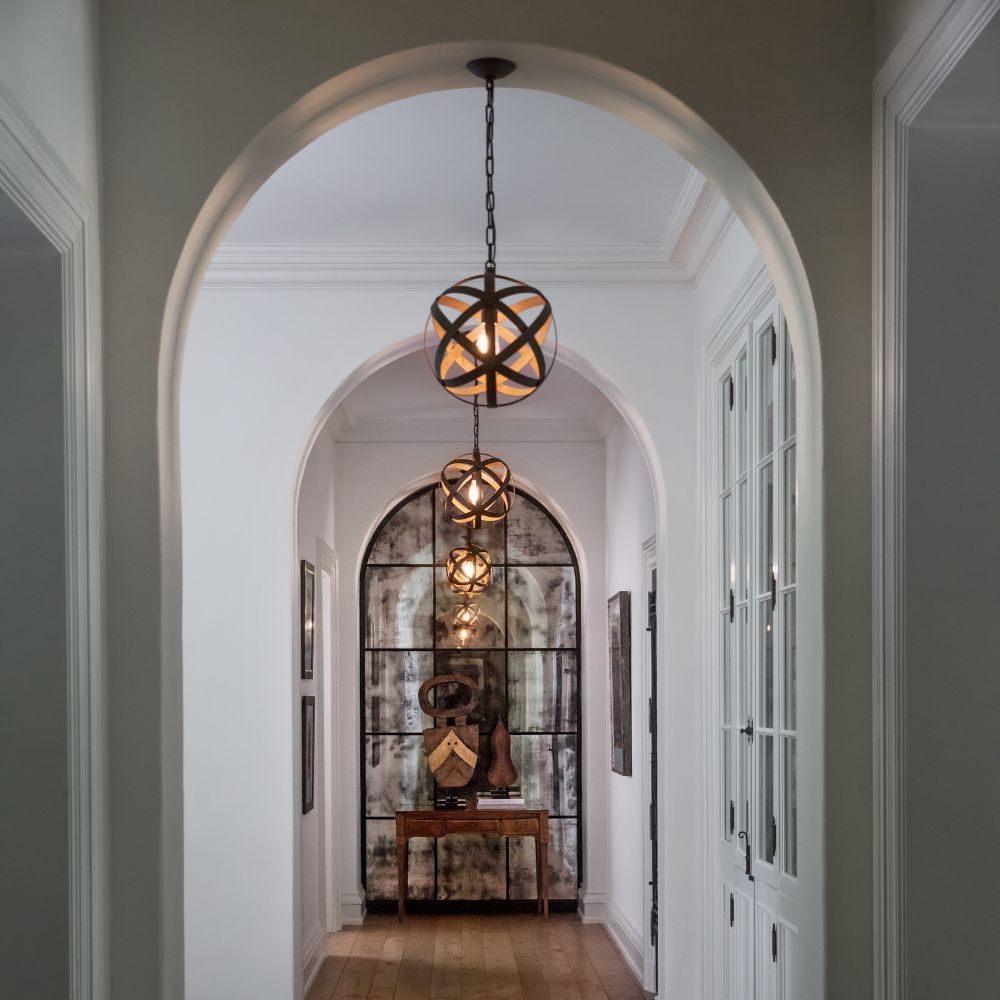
{"x": 365, "y": 731}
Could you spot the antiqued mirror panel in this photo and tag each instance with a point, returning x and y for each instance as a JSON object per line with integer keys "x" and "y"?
{"x": 520, "y": 644}
{"x": 541, "y": 609}
{"x": 563, "y": 850}
{"x": 392, "y": 680}
{"x": 399, "y": 607}
{"x": 542, "y": 693}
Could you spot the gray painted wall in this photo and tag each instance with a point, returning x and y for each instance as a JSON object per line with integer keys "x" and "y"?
{"x": 34, "y": 865}
{"x": 186, "y": 87}
{"x": 952, "y": 552}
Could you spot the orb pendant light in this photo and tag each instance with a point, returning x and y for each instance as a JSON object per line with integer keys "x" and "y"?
{"x": 477, "y": 489}
{"x": 469, "y": 569}
{"x": 466, "y": 616}
{"x": 490, "y": 336}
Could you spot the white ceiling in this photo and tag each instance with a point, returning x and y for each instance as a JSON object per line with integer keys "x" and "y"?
{"x": 403, "y": 402}
{"x": 412, "y": 172}
{"x": 402, "y": 187}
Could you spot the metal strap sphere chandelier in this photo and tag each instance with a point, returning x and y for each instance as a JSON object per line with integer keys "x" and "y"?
{"x": 490, "y": 336}
{"x": 476, "y": 489}
{"x": 469, "y": 569}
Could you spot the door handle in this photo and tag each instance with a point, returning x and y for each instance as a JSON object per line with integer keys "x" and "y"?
{"x": 743, "y": 835}
{"x": 747, "y": 730}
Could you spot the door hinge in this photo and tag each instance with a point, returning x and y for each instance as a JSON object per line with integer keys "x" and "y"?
{"x": 732, "y": 910}
{"x": 652, "y": 821}
{"x": 774, "y": 589}
{"x": 732, "y": 605}
{"x": 732, "y": 816}
{"x": 732, "y": 392}
{"x": 774, "y": 942}
{"x": 774, "y": 344}
{"x": 774, "y": 839}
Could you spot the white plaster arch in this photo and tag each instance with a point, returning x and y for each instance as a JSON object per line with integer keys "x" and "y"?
{"x": 644, "y": 104}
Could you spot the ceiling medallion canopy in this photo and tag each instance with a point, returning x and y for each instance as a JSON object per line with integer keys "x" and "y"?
{"x": 469, "y": 569}
{"x": 488, "y": 335}
{"x": 476, "y": 489}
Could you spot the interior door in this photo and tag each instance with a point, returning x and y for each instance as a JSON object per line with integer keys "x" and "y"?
{"x": 757, "y": 846}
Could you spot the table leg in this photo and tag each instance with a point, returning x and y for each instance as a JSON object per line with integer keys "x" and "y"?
{"x": 538, "y": 871}
{"x": 402, "y": 859}
{"x": 544, "y": 866}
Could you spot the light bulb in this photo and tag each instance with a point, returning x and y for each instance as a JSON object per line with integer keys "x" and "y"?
{"x": 469, "y": 568}
{"x": 483, "y": 340}
{"x": 474, "y": 492}
{"x": 463, "y": 634}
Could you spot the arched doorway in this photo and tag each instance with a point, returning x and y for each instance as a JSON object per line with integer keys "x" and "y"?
{"x": 635, "y": 390}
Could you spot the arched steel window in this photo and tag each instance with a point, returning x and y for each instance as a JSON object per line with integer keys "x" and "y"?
{"x": 524, "y": 654}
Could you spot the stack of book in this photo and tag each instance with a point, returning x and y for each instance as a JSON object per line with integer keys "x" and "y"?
{"x": 487, "y": 800}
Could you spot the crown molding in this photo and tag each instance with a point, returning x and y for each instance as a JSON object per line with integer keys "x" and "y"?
{"x": 693, "y": 233}
{"x": 442, "y": 430}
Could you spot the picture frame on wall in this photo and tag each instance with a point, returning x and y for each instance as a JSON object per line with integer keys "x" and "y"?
{"x": 308, "y": 753}
{"x": 620, "y": 658}
{"x": 307, "y": 601}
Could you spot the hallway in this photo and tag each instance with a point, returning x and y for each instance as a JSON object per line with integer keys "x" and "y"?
{"x": 513, "y": 956}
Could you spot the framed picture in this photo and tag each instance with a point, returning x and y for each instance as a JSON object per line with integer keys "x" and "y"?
{"x": 307, "y": 599}
{"x": 308, "y": 753}
{"x": 620, "y": 650}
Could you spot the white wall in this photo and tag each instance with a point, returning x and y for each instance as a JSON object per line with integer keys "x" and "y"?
{"x": 261, "y": 364}
{"x": 34, "y": 779}
{"x": 315, "y": 530}
{"x": 631, "y": 521}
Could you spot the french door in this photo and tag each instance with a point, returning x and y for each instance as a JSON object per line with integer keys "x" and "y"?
{"x": 756, "y": 831}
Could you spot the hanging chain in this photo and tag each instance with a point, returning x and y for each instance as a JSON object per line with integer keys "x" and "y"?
{"x": 491, "y": 226}
{"x": 475, "y": 426}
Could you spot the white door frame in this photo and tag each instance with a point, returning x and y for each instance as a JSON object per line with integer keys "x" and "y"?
{"x": 326, "y": 565}
{"x": 37, "y": 181}
{"x": 648, "y": 945}
{"x": 935, "y": 42}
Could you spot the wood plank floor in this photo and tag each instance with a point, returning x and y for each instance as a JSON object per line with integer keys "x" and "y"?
{"x": 475, "y": 957}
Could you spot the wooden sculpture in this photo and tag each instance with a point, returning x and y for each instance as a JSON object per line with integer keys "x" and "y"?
{"x": 502, "y": 773}
{"x": 452, "y": 745}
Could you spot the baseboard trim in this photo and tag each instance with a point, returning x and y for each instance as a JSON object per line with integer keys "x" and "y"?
{"x": 315, "y": 952}
{"x": 627, "y": 939}
{"x": 592, "y": 907}
{"x": 352, "y": 909}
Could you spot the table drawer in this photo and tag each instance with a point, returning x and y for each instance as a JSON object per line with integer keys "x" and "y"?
{"x": 473, "y": 826}
{"x": 423, "y": 828}
{"x": 519, "y": 827}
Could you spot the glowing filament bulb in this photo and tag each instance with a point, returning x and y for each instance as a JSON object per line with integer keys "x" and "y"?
{"x": 483, "y": 340}
{"x": 469, "y": 568}
{"x": 474, "y": 492}
{"x": 463, "y": 634}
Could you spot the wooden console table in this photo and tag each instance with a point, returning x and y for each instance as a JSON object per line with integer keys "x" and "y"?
{"x": 502, "y": 822}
